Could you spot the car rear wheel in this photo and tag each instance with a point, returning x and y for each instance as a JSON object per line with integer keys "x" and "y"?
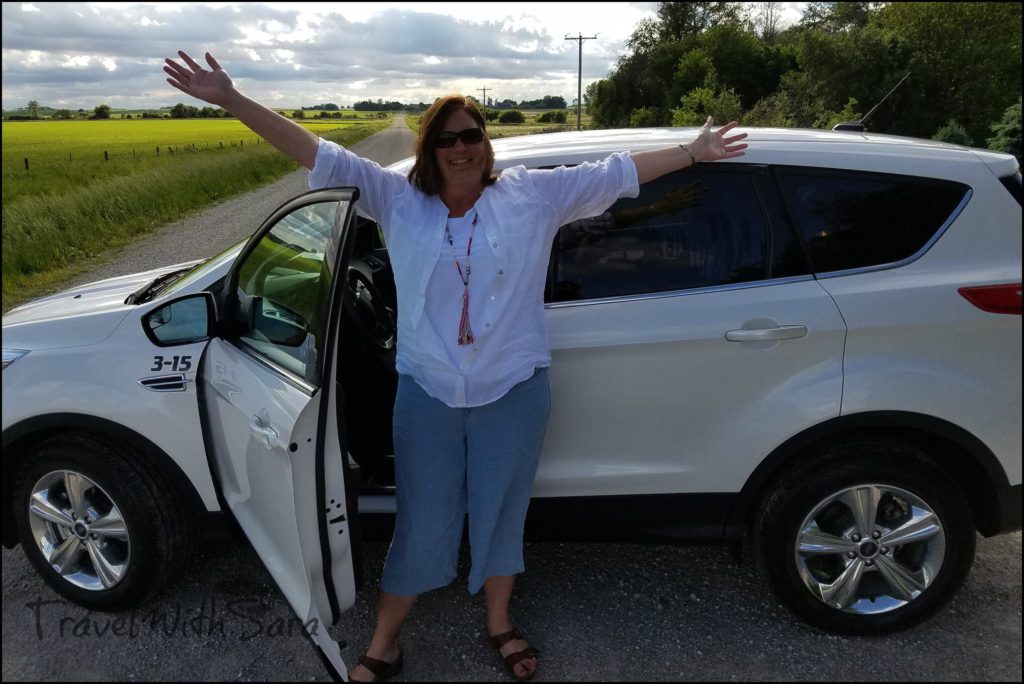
{"x": 870, "y": 536}
{"x": 99, "y": 523}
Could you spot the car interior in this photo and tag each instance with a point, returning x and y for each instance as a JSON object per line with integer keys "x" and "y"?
{"x": 366, "y": 363}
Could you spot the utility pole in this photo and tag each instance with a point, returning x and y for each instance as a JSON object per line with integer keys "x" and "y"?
{"x": 485, "y": 94}
{"x": 579, "y": 82}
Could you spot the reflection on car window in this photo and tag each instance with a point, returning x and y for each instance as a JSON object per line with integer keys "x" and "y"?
{"x": 205, "y": 266}
{"x": 283, "y": 290}
{"x": 854, "y": 219}
{"x": 687, "y": 229}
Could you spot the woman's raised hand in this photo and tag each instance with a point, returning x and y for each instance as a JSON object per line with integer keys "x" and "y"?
{"x": 711, "y": 145}
{"x": 210, "y": 85}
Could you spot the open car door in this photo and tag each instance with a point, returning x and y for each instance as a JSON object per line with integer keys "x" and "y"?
{"x": 270, "y": 408}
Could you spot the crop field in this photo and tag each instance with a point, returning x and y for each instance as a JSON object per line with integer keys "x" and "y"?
{"x": 529, "y": 127}
{"x": 65, "y": 155}
{"x": 71, "y": 206}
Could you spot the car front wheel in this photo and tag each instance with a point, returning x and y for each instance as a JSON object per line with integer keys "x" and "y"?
{"x": 870, "y": 536}
{"x": 99, "y": 524}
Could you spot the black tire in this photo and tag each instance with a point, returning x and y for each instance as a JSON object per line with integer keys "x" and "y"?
{"x": 159, "y": 528}
{"x": 874, "y": 464}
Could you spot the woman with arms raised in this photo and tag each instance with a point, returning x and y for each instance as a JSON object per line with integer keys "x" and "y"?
{"x": 469, "y": 253}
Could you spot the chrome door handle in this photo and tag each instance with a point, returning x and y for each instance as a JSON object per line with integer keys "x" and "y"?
{"x": 783, "y": 332}
{"x": 264, "y": 433}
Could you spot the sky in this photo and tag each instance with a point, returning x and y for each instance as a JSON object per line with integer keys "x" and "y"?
{"x": 290, "y": 54}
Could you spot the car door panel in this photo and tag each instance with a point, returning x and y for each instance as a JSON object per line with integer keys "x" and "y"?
{"x": 276, "y": 445}
{"x": 711, "y": 408}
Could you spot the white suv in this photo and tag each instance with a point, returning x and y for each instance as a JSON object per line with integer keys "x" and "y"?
{"x": 817, "y": 344}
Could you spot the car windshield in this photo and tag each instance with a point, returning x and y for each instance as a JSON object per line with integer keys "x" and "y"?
{"x": 204, "y": 267}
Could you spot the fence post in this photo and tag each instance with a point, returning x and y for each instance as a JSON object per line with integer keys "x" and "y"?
{"x": 222, "y": 144}
{"x": 105, "y": 157}
{"x": 158, "y": 150}
{"x": 241, "y": 143}
{"x": 26, "y": 163}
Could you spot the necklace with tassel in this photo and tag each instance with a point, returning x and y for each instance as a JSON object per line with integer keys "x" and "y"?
{"x": 465, "y": 331}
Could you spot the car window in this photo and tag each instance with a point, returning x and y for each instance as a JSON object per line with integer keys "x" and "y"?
{"x": 200, "y": 269}
{"x": 283, "y": 290}
{"x": 692, "y": 228}
{"x": 857, "y": 219}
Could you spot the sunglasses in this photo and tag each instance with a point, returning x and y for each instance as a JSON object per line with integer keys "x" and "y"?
{"x": 470, "y": 136}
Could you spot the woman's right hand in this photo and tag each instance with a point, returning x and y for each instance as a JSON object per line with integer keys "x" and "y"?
{"x": 213, "y": 86}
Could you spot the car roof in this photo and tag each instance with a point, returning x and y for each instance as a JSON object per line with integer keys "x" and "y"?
{"x": 766, "y": 145}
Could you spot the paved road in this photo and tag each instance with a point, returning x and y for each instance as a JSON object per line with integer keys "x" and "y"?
{"x": 612, "y": 612}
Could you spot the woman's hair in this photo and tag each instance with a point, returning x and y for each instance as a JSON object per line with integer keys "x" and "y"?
{"x": 425, "y": 172}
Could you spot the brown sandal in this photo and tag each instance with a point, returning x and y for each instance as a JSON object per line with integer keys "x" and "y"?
{"x": 513, "y": 659}
{"x": 382, "y": 669}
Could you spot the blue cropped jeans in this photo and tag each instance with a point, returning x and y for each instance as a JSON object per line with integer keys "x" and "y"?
{"x": 454, "y": 461}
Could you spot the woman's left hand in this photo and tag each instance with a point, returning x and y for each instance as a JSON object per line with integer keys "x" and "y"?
{"x": 712, "y": 145}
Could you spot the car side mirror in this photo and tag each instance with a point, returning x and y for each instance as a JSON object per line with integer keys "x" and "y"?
{"x": 278, "y": 323}
{"x": 181, "y": 321}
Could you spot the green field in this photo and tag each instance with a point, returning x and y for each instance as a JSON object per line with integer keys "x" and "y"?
{"x": 62, "y": 217}
{"x": 529, "y": 127}
{"x": 65, "y": 155}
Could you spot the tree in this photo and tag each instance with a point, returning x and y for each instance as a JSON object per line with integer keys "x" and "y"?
{"x": 1007, "y": 132}
{"x": 554, "y": 116}
{"x": 511, "y": 116}
{"x": 835, "y": 17}
{"x": 679, "y": 20}
{"x": 648, "y": 117}
{"x": 298, "y": 114}
{"x": 101, "y": 112}
{"x": 33, "y": 109}
{"x": 765, "y": 20}
{"x": 700, "y": 103}
{"x": 953, "y": 133}
{"x": 964, "y": 60}
{"x": 862, "y": 63}
{"x": 184, "y": 111}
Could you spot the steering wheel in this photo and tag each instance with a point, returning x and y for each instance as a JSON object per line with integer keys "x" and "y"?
{"x": 372, "y": 316}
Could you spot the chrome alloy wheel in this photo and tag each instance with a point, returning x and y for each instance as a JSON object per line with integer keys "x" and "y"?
{"x": 870, "y": 549}
{"x": 79, "y": 530}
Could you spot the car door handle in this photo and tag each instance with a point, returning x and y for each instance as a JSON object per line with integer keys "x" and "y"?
{"x": 266, "y": 434}
{"x": 783, "y": 332}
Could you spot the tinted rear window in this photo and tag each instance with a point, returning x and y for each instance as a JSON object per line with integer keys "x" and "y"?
{"x": 689, "y": 229}
{"x": 857, "y": 219}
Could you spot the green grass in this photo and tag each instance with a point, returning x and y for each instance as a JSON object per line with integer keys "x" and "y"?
{"x": 66, "y": 155}
{"x": 52, "y": 235}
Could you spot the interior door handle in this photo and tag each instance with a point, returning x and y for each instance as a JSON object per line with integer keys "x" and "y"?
{"x": 264, "y": 433}
{"x": 783, "y": 332}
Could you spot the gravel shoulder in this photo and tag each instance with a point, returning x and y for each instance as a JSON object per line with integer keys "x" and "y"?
{"x": 216, "y": 228}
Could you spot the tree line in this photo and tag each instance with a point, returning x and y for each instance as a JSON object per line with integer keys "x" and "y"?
{"x": 839, "y": 61}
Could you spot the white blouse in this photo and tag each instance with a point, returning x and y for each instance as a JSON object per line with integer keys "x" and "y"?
{"x": 519, "y": 216}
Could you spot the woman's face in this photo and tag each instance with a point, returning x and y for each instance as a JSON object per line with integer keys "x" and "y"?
{"x": 461, "y": 164}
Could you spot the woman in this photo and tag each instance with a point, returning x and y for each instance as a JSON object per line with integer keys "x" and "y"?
{"x": 469, "y": 254}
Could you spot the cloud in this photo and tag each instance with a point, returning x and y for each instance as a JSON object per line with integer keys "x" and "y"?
{"x": 290, "y": 52}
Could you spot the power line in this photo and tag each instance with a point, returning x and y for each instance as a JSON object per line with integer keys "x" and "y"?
{"x": 579, "y": 83}
{"x": 485, "y": 94}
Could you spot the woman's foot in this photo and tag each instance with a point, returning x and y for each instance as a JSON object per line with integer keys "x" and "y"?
{"x": 519, "y": 657}
{"x": 377, "y": 667}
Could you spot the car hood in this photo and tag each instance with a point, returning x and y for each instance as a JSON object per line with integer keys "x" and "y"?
{"x": 83, "y": 315}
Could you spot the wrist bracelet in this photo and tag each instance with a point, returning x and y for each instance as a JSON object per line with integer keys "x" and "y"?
{"x": 693, "y": 160}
